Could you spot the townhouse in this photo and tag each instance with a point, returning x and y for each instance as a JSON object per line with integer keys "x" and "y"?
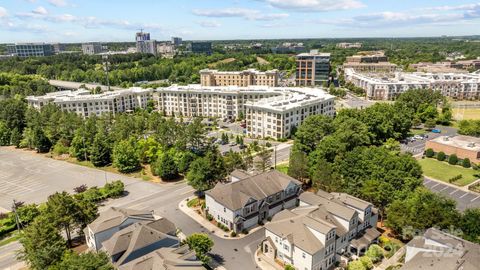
{"x": 249, "y": 200}
{"x": 318, "y": 233}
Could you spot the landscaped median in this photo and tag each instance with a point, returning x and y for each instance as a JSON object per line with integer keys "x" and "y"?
{"x": 193, "y": 207}
{"x": 445, "y": 172}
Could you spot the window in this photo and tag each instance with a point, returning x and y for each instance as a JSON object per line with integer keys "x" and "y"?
{"x": 303, "y": 255}
{"x": 224, "y": 210}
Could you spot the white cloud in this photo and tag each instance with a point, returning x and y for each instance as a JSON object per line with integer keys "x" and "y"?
{"x": 249, "y": 14}
{"x": 40, "y": 10}
{"x": 209, "y": 24}
{"x": 315, "y": 5}
{"x": 449, "y": 8}
{"x": 3, "y": 12}
{"x": 58, "y": 3}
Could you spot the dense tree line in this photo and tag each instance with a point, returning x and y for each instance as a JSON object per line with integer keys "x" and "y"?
{"x": 125, "y": 70}
{"x": 358, "y": 152}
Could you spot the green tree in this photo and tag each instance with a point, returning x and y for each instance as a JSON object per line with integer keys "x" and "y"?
{"x": 147, "y": 149}
{"x": 324, "y": 177}
{"x": 5, "y": 134}
{"x": 470, "y": 225}
{"x": 356, "y": 265}
{"x": 466, "y": 163}
{"x": 27, "y": 213}
{"x": 441, "y": 156}
{"x": 429, "y": 153}
{"x": 101, "y": 149}
{"x": 40, "y": 141}
{"x": 367, "y": 262}
{"x": 453, "y": 159}
{"x": 15, "y": 137}
{"x": 42, "y": 244}
{"x": 233, "y": 160}
{"x": 165, "y": 165}
{"x": 312, "y": 131}
{"x": 206, "y": 171}
{"x": 421, "y": 210}
{"x": 375, "y": 253}
{"x": 430, "y": 123}
{"x": 201, "y": 244}
{"x": 263, "y": 160}
{"x": 125, "y": 156}
{"x": 84, "y": 261}
{"x": 62, "y": 210}
{"x": 298, "y": 165}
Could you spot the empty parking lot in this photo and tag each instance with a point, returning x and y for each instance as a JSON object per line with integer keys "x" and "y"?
{"x": 464, "y": 199}
{"x": 30, "y": 177}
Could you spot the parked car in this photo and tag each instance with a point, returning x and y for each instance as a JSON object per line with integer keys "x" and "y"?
{"x": 418, "y": 137}
{"x": 232, "y": 144}
{"x": 436, "y": 131}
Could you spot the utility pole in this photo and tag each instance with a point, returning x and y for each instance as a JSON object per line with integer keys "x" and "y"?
{"x": 14, "y": 210}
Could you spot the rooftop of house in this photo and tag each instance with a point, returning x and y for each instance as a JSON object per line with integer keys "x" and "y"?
{"x": 440, "y": 250}
{"x": 166, "y": 259}
{"x": 115, "y": 216}
{"x": 296, "y": 226}
{"x": 460, "y": 141}
{"x": 140, "y": 239}
{"x": 235, "y": 195}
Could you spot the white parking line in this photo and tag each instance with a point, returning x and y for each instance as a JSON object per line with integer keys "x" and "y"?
{"x": 427, "y": 181}
{"x": 453, "y": 191}
{"x": 464, "y": 195}
{"x": 435, "y": 185}
{"x": 475, "y": 198}
{"x": 444, "y": 188}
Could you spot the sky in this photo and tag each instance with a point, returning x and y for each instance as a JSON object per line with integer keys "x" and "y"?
{"x": 118, "y": 20}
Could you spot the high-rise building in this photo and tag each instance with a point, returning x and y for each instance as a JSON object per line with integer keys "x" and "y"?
{"x": 201, "y": 47}
{"x": 92, "y": 48}
{"x": 30, "y": 49}
{"x": 59, "y": 47}
{"x": 312, "y": 68}
{"x": 177, "y": 41}
{"x": 144, "y": 44}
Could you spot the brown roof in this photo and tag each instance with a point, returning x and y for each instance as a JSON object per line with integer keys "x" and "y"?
{"x": 333, "y": 206}
{"x": 240, "y": 174}
{"x": 235, "y": 195}
{"x": 124, "y": 245}
{"x": 166, "y": 259}
{"x": 115, "y": 216}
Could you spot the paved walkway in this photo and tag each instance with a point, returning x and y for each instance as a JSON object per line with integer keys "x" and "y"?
{"x": 265, "y": 263}
{"x": 392, "y": 260}
{"x": 207, "y": 224}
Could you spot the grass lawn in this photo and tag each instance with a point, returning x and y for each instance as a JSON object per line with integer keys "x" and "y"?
{"x": 415, "y": 131}
{"x": 283, "y": 168}
{"x": 11, "y": 237}
{"x": 468, "y": 114}
{"x": 443, "y": 171}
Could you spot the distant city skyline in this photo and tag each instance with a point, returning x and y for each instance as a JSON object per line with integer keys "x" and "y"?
{"x": 89, "y": 20}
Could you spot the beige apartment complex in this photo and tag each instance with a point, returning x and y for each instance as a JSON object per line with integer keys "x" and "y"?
{"x": 249, "y": 77}
{"x": 375, "y": 62}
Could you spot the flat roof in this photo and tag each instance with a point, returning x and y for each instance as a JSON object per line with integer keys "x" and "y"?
{"x": 460, "y": 141}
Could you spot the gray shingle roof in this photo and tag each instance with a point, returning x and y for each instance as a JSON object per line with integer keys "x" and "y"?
{"x": 166, "y": 259}
{"x": 331, "y": 205}
{"x": 450, "y": 253}
{"x": 235, "y": 195}
{"x": 115, "y": 216}
{"x": 125, "y": 245}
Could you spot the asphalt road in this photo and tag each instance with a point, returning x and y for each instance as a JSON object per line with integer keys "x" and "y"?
{"x": 32, "y": 177}
{"x": 464, "y": 199}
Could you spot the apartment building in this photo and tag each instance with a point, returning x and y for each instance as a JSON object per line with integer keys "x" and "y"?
{"x": 458, "y": 86}
{"x": 375, "y": 62}
{"x": 277, "y": 116}
{"x": 269, "y": 111}
{"x": 30, "y": 49}
{"x": 92, "y": 48}
{"x": 243, "y": 203}
{"x": 86, "y": 104}
{"x": 347, "y": 45}
{"x": 211, "y": 77}
{"x": 312, "y": 68}
{"x": 316, "y": 235}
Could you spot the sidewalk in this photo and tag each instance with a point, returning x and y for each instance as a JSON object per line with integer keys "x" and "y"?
{"x": 207, "y": 224}
{"x": 392, "y": 260}
{"x": 264, "y": 263}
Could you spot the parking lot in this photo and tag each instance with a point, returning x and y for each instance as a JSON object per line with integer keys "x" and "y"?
{"x": 418, "y": 145}
{"x": 464, "y": 199}
{"x": 30, "y": 177}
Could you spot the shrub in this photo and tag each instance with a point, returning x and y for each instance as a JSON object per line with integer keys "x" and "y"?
{"x": 113, "y": 189}
{"x": 429, "y": 153}
{"x": 289, "y": 267}
{"x": 245, "y": 231}
{"x": 209, "y": 217}
{"x": 80, "y": 189}
{"x": 192, "y": 202}
{"x": 384, "y": 240}
{"x": 356, "y": 265}
{"x": 453, "y": 159}
{"x": 455, "y": 178}
{"x": 466, "y": 163}
{"x": 441, "y": 156}
{"x": 61, "y": 147}
{"x": 375, "y": 253}
{"x": 233, "y": 234}
{"x": 367, "y": 262}
{"x": 269, "y": 218}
